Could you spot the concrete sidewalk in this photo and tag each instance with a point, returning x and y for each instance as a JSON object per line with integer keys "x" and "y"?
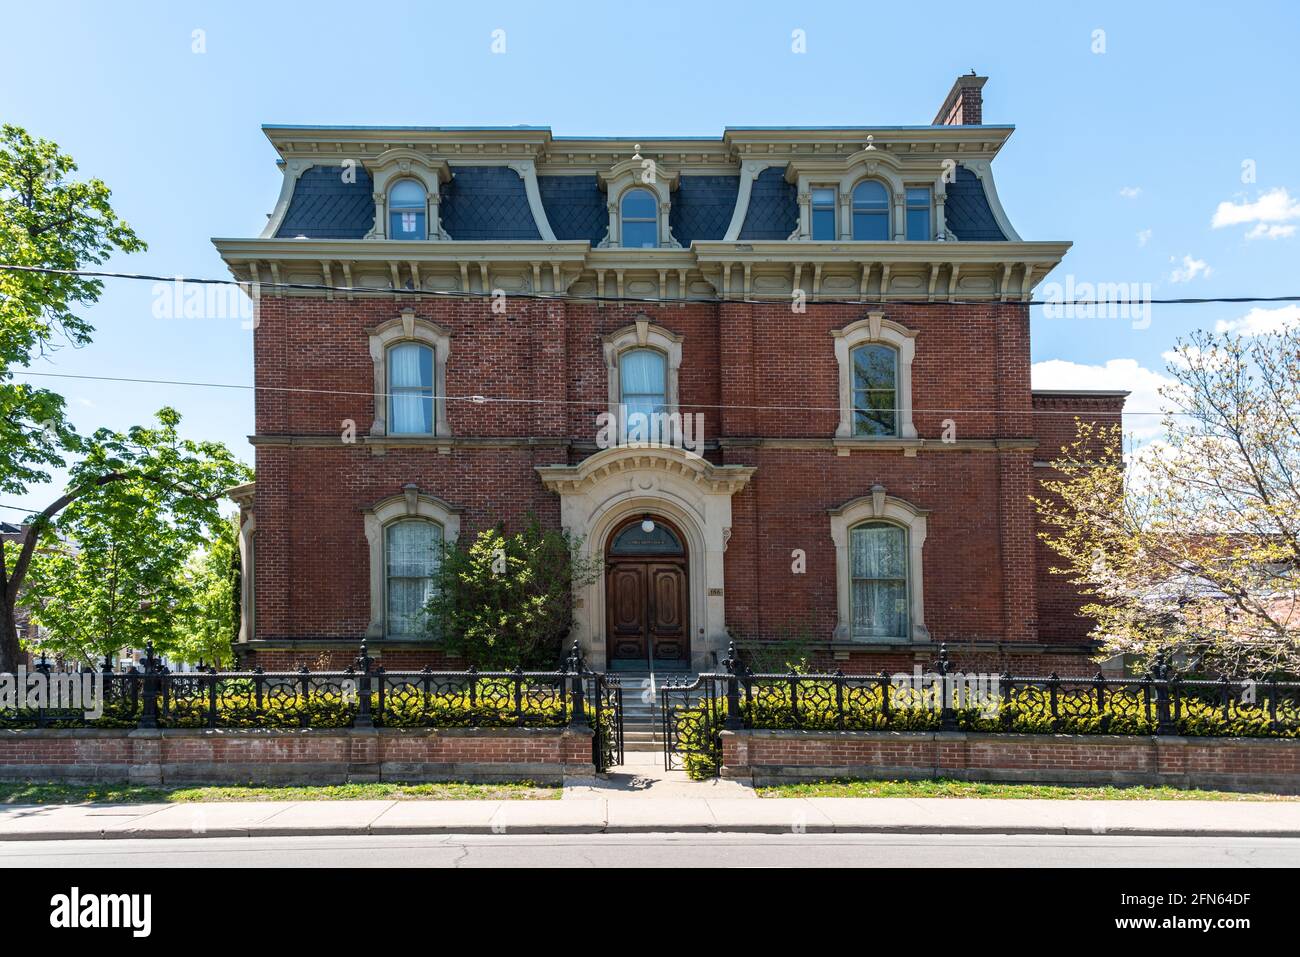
{"x": 580, "y": 815}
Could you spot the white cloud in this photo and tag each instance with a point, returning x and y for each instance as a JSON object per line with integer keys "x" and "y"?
{"x": 1144, "y": 236}
{"x": 1143, "y": 384}
{"x": 1190, "y": 269}
{"x": 1265, "y": 231}
{"x": 1131, "y": 192}
{"x": 1275, "y": 206}
{"x": 1259, "y": 321}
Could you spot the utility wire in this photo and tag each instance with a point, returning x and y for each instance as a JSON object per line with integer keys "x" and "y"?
{"x": 484, "y": 399}
{"x": 647, "y": 300}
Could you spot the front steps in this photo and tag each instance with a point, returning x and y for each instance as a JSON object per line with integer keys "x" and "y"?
{"x": 642, "y": 719}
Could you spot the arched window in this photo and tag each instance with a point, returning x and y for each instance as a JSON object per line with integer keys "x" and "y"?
{"x": 878, "y": 573}
{"x": 410, "y": 389}
{"x": 406, "y": 210}
{"x": 413, "y": 554}
{"x": 643, "y": 381}
{"x": 639, "y": 213}
{"x": 870, "y": 211}
{"x": 875, "y": 390}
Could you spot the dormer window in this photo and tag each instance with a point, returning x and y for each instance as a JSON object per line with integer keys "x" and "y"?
{"x": 870, "y": 211}
{"x": 823, "y": 212}
{"x": 407, "y": 209}
{"x": 918, "y": 213}
{"x": 640, "y": 220}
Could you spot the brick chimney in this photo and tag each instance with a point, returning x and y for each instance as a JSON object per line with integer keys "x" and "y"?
{"x": 964, "y": 105}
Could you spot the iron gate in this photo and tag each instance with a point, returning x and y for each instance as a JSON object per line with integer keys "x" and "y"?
{"x": 605, "y": 694}
{"x": 693, "y": 714}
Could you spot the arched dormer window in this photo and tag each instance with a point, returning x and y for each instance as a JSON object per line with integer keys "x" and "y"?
{"x": 407, "y": 210}
{"x": 639, "y": 220}
{"x": 870, "y": 211}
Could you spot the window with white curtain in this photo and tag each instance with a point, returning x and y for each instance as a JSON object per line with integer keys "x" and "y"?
{"x": 410, "y": 389}
{"x": 643, "y": 381}
{"x": 639, "y": 214}
{"x": 878, "y": 599}
{"x": 413, "y": 554}
{"x": 870, "y": 211}
{"x": 407, "y": 206}
{"x": 875, "y": 390}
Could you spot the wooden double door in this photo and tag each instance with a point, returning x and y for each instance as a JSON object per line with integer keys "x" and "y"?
{"x": 645, "y": 601}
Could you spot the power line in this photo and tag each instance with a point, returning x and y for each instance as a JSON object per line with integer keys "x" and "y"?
{"x": 487, "y": 400}
{"x": 646, "y": 300}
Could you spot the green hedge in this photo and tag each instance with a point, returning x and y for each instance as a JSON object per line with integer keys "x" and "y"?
{"x": 1026, "y": 712}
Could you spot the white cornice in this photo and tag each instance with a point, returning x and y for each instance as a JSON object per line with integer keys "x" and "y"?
{"x": 569, "y": 479}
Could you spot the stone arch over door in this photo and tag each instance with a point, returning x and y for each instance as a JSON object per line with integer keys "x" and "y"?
{"x": 611, "y": 487}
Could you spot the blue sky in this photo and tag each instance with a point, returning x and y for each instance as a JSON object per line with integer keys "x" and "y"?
{"x": 1128, "y": 153}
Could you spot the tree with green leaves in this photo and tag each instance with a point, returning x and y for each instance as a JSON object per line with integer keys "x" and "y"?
{"x": 112, "y": 573}
{"x": 506, "y": 600}
{"x": 48, "y": 220}
{"x": 1193, "y": 549}
{"x": 206, "y": 622}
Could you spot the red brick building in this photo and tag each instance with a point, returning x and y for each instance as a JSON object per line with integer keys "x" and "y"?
{"x": 844, "y": 309}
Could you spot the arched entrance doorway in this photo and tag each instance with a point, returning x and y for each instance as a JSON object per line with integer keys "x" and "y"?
{"x": 646, "y": 606}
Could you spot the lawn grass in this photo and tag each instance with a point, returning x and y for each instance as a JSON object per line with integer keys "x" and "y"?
{"x": 59, "y": 793}
{"x": 947, "y": 788}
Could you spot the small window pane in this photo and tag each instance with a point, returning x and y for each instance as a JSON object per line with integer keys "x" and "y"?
{"x": 639, "y": 204}
{"x": 406, "y": 193}
{"x": 870, "y": 226}
{"x": 640, "y": 235}
{"x": 870, "y": 195}
{"x": 823, "y": 223}
{"x": 918, "y": 213}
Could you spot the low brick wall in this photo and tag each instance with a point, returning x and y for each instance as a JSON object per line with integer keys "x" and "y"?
{"x": 331, "y": 756}
{"x": 1236, "y": 764}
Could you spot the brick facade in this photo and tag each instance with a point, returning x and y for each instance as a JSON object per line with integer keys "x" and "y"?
{"x": 332, "y": 756}
{"x": 984, "y": 573}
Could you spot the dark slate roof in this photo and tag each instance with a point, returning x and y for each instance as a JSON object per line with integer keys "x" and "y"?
{"x": 702, "y": 207}
{"x": 575, "y": 207}
{"x": 486, "y": 202}
{"x": 325, "y": 207}
{"x": 773, "y": 207}
{"x": 967, "y": 212}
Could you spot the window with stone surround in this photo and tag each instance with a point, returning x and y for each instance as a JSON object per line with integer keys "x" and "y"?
{"x": 875, "y": 356}
{"x": 410, "y": 377}
{"x": 879, "y": 542}
{"x": 407, "y": 533}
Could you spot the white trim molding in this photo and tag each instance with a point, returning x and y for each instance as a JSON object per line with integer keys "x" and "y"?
{"x": 642, "y": 334}
{"x": 614, "y": 484}
{"x": 408, "y": 327}
{"x": 408, "y": 503}
{"x": 875, "y": 328}
{"x": 879, "y": 506}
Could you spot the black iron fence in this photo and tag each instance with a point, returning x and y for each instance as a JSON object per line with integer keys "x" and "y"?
{"x": 361, "y": 696}
{"x": 1161, "y": 702}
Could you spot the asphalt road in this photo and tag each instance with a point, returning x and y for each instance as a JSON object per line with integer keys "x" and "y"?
{"x": 661, "y": 850}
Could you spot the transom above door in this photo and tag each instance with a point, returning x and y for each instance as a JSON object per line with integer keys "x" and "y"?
{"x": 646, "y": 567}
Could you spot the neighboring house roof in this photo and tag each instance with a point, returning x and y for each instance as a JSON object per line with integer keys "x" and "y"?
{"x": 9, "y": 529}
